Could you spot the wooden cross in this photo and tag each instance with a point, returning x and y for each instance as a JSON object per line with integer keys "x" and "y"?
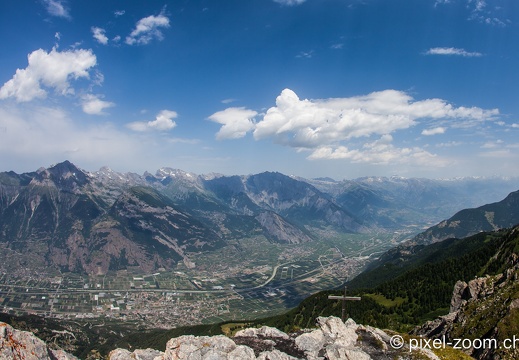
{"x": 344, "y": 298}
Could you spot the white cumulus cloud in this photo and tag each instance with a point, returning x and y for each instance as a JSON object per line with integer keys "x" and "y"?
{"x": 163, "y": 122}
{"x": 312, "y": 123}
{"x": 99, "y": 35}
{"x": 332, "y": 128}
{"x": 93, "y": 105}
{"x": 236, "y": 122}
{"x": 52, "y": 69}
{"x": 147, "y": 29}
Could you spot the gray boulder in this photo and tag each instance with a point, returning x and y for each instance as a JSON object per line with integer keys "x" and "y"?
{"x": 16, "y": 344}
{"x": 146, "y": 354}
{"x": 191, "y": 347}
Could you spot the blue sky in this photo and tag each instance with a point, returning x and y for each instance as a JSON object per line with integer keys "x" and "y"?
{"x": 338, "y": 88}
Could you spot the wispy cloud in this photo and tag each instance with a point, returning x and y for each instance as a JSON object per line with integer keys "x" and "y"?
{"x": 305, "y": 54}
{"x": 57, "y": 8}
{"x": 449, "y": 144}
{"x": 228, "y": 101}
{"x": 492, "y": 144}
{"x": 37, "y": 135}
{"x": 147, "y": 29}
{"x": 434, "y": 131}
{"x": 440, "y": 2}
{"x": 290, "y": 2}
{"x": 481, "y": 12}
{"x": 118, "y": 13}
{"x": 380, "y": 152}
{"x": 163, "y": 122}
{"x": 479, "y": 5}
{"x": 451, "y": 51}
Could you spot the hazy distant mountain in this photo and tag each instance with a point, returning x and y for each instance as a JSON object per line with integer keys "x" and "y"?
{"x": 91, "y": 222}
{"x": 297, "y": 201}
{"x": 490, "y": 217}
{"x": 396, "y": 202}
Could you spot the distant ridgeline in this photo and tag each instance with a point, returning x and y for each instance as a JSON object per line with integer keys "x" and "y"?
{"x": 62, "y": 218}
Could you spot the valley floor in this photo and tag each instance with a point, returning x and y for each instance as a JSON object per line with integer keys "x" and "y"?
{"x": 249, "y": 279}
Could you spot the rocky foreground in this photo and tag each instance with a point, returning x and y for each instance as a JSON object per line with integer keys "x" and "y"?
{"x": 23, "y": 345}
{"x": 332, "y": 340}
{"x": 486, "y": 309}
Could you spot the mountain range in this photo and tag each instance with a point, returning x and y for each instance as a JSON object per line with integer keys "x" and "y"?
{"x": 93, "y": 222}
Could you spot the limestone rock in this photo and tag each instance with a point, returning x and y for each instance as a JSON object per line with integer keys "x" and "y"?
{"x": 476, "y": 287}
{"x": 333, "y": 340}
{"x": 62, "y": 355}
{"x": 275, "y": 355}
{"x": 337, "y": 332}
{"x": 119, "y": 354}
{"x": 491, "y": 300}
{"x": 242, "y": 352}
{"x": 459, "y": 295}
{"x": 430, "y": 355}
{"x": 16, "y": 344}
{"x": 438, "y": 327}
{"x": 381, "y": 336}
{"x": 335, "y": 352}
{"x": 311, "y": 343}
{"x": 265, "y": 331}
{"x": 146, "y": 354}
{"x": 191, "y": 347}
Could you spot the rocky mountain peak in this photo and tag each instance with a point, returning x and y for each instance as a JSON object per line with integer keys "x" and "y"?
{"x": 211, "y": 176}
{"x": 170, "y": 172}
{"x": 106, "y": 171}
{"x": 65, "y": 176}
{"x": 168, "y": 175}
